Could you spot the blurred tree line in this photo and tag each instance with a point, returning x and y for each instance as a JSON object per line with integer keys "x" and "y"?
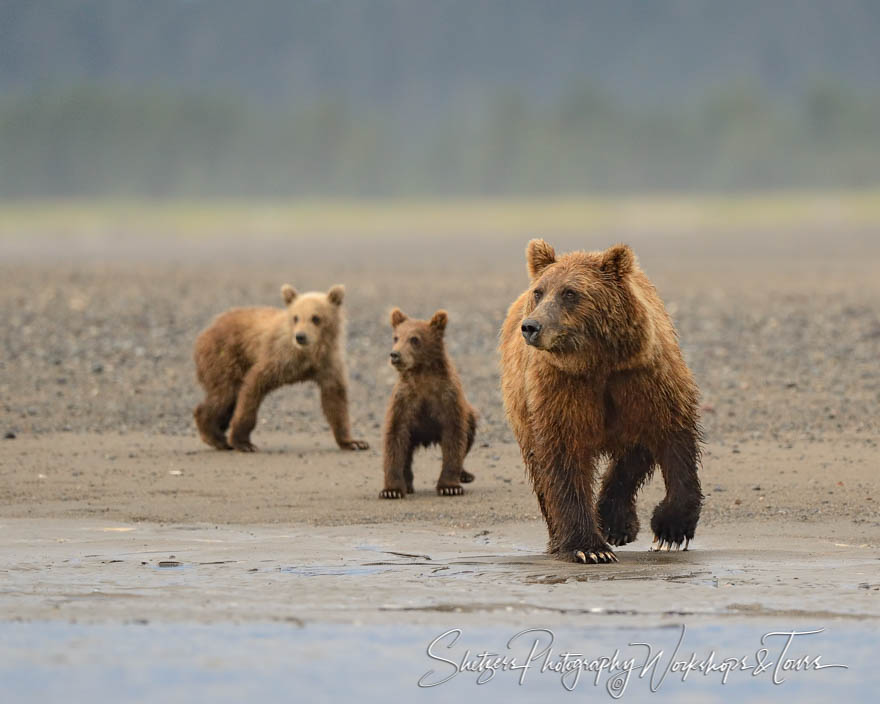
{"x": 92, "y": 141}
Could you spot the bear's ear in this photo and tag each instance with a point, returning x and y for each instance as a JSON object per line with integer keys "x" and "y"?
{"x": 288, "y": 293}
{"x": 618, "y": 261}
{"x": 439, "y": 320}
{"x": 397, "y": 317}
{"x": 336, "y": 294}
{"x": 539, "y": 255}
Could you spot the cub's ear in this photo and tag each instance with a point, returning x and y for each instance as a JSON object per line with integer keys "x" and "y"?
{"x": 439, "y": 320}
{"x": 618, "y": 261}
{"x": 288, "y": 293}
{"x": 397, "y": 317}
{"x": 539, "y": 255}
{"x": 336, "y": 294}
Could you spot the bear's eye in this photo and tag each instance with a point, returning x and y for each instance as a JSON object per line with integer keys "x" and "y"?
{"x": 316, "y": 320}
{"x": 538, "y": 294}
{"x": 414, "y": 341}
{"x": 394, "y": 339}
{"x": 295, "y": 318}
{"x": 569, "y": 295}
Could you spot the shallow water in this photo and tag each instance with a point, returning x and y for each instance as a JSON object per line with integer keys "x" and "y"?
{"x": 56, "y": 661}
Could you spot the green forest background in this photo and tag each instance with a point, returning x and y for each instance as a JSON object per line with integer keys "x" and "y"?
{"x": 190, "y": 98}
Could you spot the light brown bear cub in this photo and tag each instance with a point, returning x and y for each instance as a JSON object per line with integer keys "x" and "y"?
{"x": 591, "y": 367}
{"x": 427, "y": 407}
{"x": 248, "y": 352}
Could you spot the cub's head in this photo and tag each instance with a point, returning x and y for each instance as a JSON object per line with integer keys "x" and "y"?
{"x": 581, "y": 304}
{"x": 316, "y": 318}
{"x": 417, "y": 344}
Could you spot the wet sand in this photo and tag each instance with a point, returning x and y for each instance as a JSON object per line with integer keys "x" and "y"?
{"x": 113, "y": 512}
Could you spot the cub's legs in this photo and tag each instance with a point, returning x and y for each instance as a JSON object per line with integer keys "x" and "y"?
{"x": 334, "y": 403}
{"x": 253, "y": 389}
{"x": 467, "y": 477}
{"x": 454, "y": 447}
{"x": 617, "y": 499}
{"x": 675, "y": 518}
{"x": 398, "y": 454}
{"x": 212, "y": 418}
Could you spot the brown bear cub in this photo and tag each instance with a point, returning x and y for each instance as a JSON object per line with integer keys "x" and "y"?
{"x": 427, "y": 407}
{"x": 248, "y": 352}
{"x": 591, "y": 368}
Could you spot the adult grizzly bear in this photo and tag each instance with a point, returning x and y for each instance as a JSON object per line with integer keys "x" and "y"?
{"x": 591, "y": 367}
{"x": 248, "y": 352}
{"x": 427, "y": 407}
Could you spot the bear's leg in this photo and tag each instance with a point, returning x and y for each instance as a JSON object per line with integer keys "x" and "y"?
{"x": 212, "y": 419}
{"x": 253, "y": 389}
{"x": 467, "y": 477}
{"x": 334, "y": 403}
{"x": 407, "y": 470}
{"x": 617, "y": 499}
{"x": 453, "y": 445}
{"x": 566, "y": 486}
{"x": 398, "y": 458}
{"x": 675, "y": 518}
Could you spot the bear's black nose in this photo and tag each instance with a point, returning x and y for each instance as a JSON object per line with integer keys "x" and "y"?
{"x": 395, "y": 357}
{"x": 530, "y": 330}
{"x": 301, "y": 338}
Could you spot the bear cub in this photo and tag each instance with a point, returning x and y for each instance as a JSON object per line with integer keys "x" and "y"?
{"x": 248, "y": 352}
{"x": 592, "y": 369}
{"x": 427, "y": 407}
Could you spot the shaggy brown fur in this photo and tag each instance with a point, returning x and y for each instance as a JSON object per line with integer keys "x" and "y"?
{"x": 248, "y": 352}
{"x": 591, "y": 367}
{"x": 427, "y": 407}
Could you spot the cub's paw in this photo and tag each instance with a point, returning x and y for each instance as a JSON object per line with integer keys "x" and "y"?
{"x": 591, "y": 551}
{"x": 391, "y": 494}
{"x": 619, "y": 527}
{"x": 455, "y": 490}
{"x": 466, "y": 477}
{"x": 673, "y": 527}
{"x": 354, "y": 445}
{"x": 244, "y": 446}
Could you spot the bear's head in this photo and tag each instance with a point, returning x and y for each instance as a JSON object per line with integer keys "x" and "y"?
{"x": 417, "y": 344}
{"x": 315, "y": 317}
{"x": 581, "y": 309}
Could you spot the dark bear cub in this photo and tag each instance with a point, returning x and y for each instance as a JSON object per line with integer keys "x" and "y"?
{"x": 427, "y": 407}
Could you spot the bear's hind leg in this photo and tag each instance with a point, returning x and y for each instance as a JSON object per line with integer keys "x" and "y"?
{"x": 467, "y": 477}
{"x": 675, "y": 518}
{"x": 617, "y": 499}
{"x": 212, "y": 419}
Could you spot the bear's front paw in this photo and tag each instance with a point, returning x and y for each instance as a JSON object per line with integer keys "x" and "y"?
{"x": 354, "y": 445}
{"x": 391, "y": 494}
{"x": 619, "y": 526}
{"x": 244, "y": 446}
{"x": 466, "y": 477}
{"x": 673, "y": 526}
{"x": 455, "y": 490}
{"x": 596, "y": 557}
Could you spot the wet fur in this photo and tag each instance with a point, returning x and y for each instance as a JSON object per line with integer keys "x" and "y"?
{"x": 606, "y": 379}
{"x": 427, "y": 407}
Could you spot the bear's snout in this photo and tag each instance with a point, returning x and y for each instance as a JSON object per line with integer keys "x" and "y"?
{"x": 395, "y": 358}
{"x": 531, "y": 329}
{"x": 301, "y": 338}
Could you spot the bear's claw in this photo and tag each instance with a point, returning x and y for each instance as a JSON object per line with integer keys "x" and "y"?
{"x": 355, "y": 445}
{"x": 665, "y": 545}
{"x": 244, "y": 446}
{"x": 450, "y": 490}
{"x": 391, "y": 494}
{"x": 595, "y": 558}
